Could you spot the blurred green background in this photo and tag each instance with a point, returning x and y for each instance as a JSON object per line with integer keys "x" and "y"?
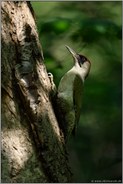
{"x": 93, "y": 29}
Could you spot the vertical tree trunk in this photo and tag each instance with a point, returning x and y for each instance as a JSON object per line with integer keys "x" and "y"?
{"x": 33, "y": 149}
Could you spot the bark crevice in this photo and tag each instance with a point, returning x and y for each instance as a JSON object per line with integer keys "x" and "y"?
{"x": 29, "y": 125}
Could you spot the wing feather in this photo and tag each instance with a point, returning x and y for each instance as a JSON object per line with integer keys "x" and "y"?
{"x": 77, "y": 97}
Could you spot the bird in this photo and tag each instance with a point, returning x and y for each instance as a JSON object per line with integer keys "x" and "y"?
{"x": 70, "y": 93}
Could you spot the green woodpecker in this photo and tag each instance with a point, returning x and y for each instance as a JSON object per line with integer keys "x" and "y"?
{"x": 70, "y": 92}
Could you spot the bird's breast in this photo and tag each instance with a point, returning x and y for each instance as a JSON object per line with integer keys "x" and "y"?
{"x": 65, "y": 100}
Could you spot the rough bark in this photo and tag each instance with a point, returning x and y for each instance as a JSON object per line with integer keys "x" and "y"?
{"x": 33, "y": 148}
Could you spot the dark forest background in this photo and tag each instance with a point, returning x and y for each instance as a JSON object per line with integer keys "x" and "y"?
{"x": 93, "y": 29}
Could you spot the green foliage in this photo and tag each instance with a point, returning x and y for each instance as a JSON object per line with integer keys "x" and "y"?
{"x": 56, "y": 26}
{"x": 93, "y": 29}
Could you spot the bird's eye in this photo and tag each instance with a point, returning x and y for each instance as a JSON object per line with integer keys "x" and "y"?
{"x": 82, "y": 59}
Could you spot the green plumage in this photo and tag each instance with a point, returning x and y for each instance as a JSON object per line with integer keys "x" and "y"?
{"x": 70, "y": 92}
{"x": 69, "y": 100}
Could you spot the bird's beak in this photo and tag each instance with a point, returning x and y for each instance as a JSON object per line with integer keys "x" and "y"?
{"x": 74, "y": 54}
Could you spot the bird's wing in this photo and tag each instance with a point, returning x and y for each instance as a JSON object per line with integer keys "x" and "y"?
{"x": 77, "y": 97}
{"x": 66, "y": 83}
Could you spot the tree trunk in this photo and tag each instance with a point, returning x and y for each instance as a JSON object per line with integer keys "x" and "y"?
{"x": 33, "y": 149}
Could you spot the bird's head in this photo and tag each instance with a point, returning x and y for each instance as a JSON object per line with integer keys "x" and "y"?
{"x": 81, "y": 62}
